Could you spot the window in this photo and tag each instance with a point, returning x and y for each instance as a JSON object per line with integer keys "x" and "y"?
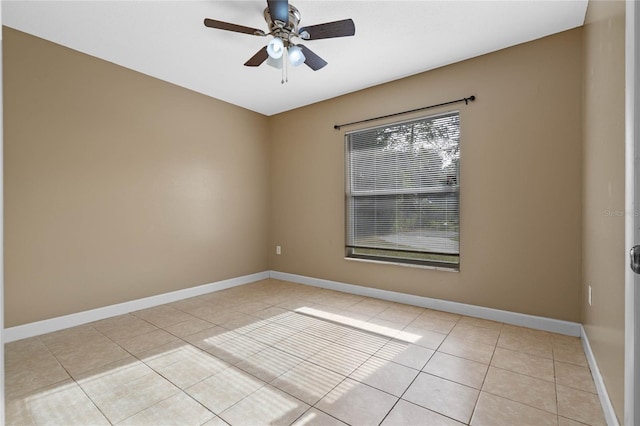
{"x": 403, "y": 192}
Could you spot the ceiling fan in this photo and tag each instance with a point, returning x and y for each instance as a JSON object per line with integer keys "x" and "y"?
{"x": 282, "y": 20}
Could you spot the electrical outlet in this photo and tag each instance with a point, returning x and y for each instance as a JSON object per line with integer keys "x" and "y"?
{"x": 279, "y": 251}
{"x": 590, "y": 299}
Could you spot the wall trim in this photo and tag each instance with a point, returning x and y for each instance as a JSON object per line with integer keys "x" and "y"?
{"x": 54, "y": 324}
{"x": 607, "y": 407}
{"x": 540, "y": 323}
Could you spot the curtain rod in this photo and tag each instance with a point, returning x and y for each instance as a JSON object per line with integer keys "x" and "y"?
{"x": 465, "y": 100}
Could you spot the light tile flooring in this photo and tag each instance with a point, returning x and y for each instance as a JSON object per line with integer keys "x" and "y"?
{"x": 274, "y": 352}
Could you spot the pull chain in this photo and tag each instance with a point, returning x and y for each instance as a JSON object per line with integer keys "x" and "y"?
{"x": 286, "y": 64}
{"x": 282, "y": 71}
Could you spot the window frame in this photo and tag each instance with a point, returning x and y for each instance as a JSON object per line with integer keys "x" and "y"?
{"x": 441, "y": 189}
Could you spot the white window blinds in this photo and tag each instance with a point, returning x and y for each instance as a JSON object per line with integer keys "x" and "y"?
{"x": 403, "y": 185}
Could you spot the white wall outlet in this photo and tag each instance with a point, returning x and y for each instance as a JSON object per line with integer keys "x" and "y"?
{"x": 590, "y": 296}
{"x": 279, "y": 251}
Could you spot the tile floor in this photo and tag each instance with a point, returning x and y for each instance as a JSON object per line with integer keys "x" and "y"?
{"x": 274, "y": 352}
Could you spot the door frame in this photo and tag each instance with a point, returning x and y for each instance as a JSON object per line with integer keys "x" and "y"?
{"x": 1, "y": 235}
{"x": 632, "y": 220}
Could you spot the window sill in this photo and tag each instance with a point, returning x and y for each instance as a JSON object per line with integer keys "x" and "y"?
{"x": 408, "y": 265}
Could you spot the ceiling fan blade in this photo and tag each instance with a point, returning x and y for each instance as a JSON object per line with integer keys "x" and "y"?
{"x": 258, "y": 58}
{"x": 344, "y": 28}
{"x": 312, "y": 60}
{"x": 279, "y": 10}
{"x": 212, "y": 23}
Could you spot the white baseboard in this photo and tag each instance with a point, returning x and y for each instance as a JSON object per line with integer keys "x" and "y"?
{"x": 54, "y": 324}
{"x": 607, "y": 407}
{"x": 514, "y": 318}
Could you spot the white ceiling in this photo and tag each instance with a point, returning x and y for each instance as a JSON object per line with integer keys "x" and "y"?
{"x": 394, "y": 39}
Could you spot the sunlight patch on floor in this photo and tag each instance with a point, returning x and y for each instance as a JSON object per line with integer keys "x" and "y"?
{"x": 362, "y": 325}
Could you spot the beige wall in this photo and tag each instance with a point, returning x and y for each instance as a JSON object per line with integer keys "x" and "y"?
{"x": 603, "y": 195}
{"x": 120, "y": 186}
{"x": 521, "y": 188}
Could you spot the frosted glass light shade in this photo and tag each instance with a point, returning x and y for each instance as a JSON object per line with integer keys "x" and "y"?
{"x": 276, "y": 63}
{"x": 296, "y": 57}
{"x": 275, "y": 48}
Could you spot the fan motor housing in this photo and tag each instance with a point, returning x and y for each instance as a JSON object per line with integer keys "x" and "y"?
{"x": 279, "y": 29}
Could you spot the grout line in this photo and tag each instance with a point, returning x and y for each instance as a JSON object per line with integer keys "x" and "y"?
{"x": 70, "y": 377}
{"x": 555, "y": 380}
{"x": 392, "y": 407}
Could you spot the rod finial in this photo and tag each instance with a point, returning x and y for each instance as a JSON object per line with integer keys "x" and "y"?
{"x": 336, "y": 127}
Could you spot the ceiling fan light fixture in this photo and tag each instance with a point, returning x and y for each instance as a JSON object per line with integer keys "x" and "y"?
{"x": 275, "y": 63}
{"x": 296, "y": 57}
{"x": 275, "y": 48}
